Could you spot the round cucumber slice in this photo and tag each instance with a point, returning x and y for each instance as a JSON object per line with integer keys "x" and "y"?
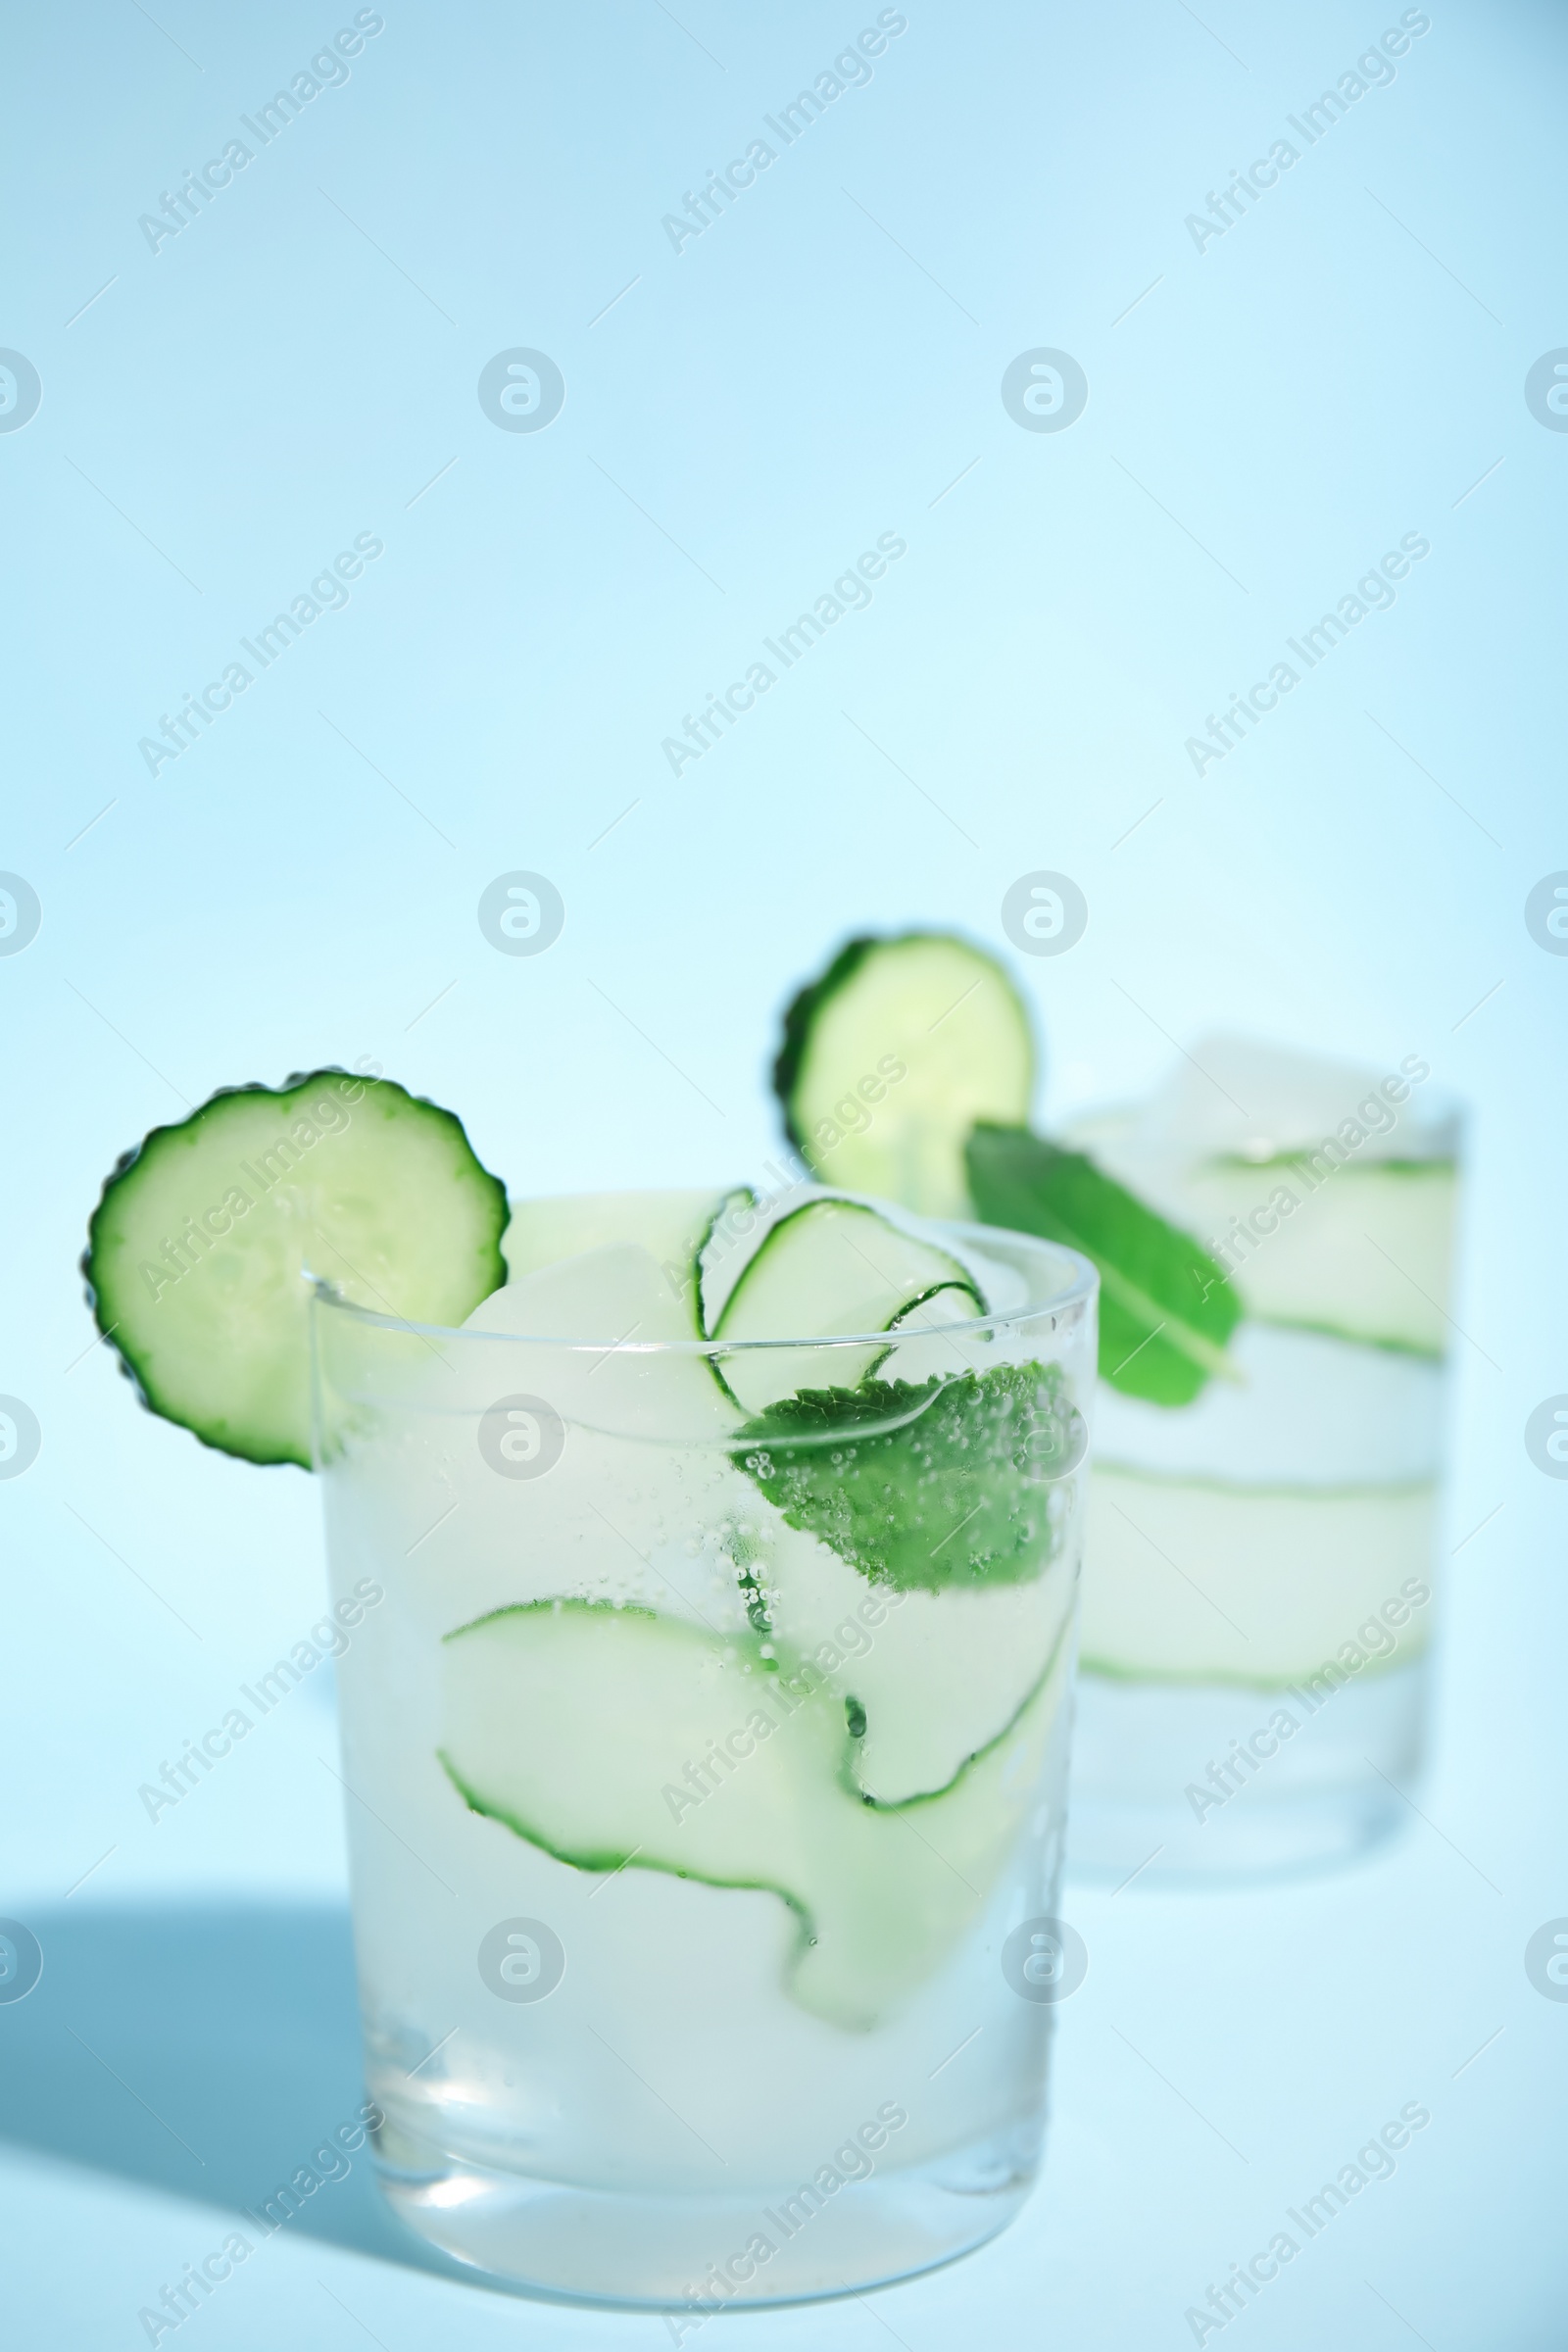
{"x": 829, "y": 1267}
{"x": 891, "y": 1056}
{"x": 201, "y": 1251}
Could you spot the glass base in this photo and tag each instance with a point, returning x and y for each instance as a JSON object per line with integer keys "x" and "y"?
{"x": 693, "y": 2256}
{"x": 1158, "y": 1790}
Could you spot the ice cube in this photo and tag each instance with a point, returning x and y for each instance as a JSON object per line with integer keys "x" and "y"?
{"x": 1236, "y": 1097}
{"x": 591, "y": 1335}
{"x": 669, "y": 1224}
{"x": 611, "y": 1295}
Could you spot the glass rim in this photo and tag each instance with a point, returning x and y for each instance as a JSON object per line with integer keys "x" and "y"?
{"x": 1083, "y": 1283}
{"x": 1439, "y": 1139}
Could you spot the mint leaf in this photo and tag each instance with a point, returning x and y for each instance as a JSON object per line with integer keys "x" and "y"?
{"x": 1165, "y": 1307}
{"x": 964, "y": 1487}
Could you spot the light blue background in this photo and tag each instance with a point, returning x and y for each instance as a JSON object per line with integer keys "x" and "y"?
{"x": 1345, "y": 365}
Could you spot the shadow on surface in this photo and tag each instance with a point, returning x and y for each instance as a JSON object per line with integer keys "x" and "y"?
{"x": 205, "y": 2052}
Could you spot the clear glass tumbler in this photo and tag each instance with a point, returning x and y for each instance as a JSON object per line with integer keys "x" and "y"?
{"x": 1258, "y": 1599}
{"x": 704, "y": 1878}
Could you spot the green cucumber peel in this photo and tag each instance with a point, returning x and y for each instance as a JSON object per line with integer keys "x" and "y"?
{"x": 713, "y": 1243}
{"x": 1413, "y": 1348}
{"x": 1302, "y": 1156}
{"x": 874, "y": 1913}
{"x": 1110, "y": 1670}
{"x": 804, "y": 1681}
{"x": 800, "y": 1019}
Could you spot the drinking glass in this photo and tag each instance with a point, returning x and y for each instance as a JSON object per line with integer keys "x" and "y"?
{"x": 1258, "y": 1601}
{"x": 704, "y": 1882}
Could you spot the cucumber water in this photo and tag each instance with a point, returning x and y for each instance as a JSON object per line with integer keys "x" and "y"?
{"x": 707, "y": 1574}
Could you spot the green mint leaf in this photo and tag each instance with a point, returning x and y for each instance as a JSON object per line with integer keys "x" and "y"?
{"x": 1165, "y": 1307}
{"x": 950, "y": 1483}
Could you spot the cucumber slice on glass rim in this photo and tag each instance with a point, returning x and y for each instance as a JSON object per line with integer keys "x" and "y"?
{"x": 890, "y": 1057}
{"x": 202, "y": 1249}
